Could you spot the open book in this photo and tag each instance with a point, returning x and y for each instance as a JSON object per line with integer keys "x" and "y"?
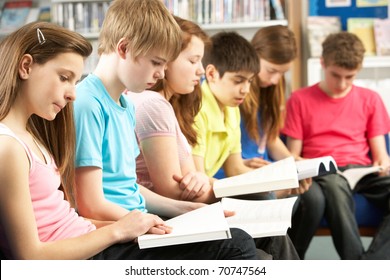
{"x": 353, "y": 175}
{"x": 277, "y": 175}
{"x": 313, "y": 167}
{"x": 260, "y": 218}
{"x": 203, "y": 224}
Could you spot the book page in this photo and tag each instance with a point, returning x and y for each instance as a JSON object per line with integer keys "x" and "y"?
{"x": 277, "y": 175}
{"x": 309, "y": 168}
{"x": 260, "y": 218}
{"x": 353, "y": 175}
{"x": 209, "y": 219}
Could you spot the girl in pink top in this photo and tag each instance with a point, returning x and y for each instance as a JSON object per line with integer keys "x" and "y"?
{"x": 165, "y": 130}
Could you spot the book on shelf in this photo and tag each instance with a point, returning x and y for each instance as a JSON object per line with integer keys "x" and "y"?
{"x": 14, "y": 15}
{"x": 277, "y": 9}
{"x": 85, "y": 17}
{"x": 44, "y": 13}
{"x": 33, "y": 15}
{"x": 318, "y": 28}
{"x": 382, "y": 36}
{"x": 353, "y": 175}
{"x": 260, "y": 218}
{"x": 202, "y": 224}
{"x": 314, "y": 167}
{"x": 277, "y": 175}
{"x": 364, "y": 29}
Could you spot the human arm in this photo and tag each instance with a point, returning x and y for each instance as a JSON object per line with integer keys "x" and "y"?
{"x": 379, "y": 153}
{"x": 90, "y": 197}
{"x": 169, "y": 176}
{"x": 255, "y": 162}
{"x": 19, "y": 224}
{"x": 167, "y": 207}
{"x": 295, "y": 148}
{"x": 277, "y": 149}
{"x": 234, "y": 165}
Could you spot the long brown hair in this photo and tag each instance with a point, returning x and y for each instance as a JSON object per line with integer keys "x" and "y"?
{"x": 277, "y": 45}
{"x": 57, "y": 136}
{"x": 186, "y": 106}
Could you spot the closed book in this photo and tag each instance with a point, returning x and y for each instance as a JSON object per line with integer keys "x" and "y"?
{"x": 364, "y": 29}
{"x": 382, "y": 36}
{"x": 203, "y": 224}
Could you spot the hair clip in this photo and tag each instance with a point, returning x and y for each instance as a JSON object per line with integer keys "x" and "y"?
{"x": 41, "y": 38}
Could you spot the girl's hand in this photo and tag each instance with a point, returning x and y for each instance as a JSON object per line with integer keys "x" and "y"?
{"x": 255, "y": 162}
{"x": 137, "y": 223}
{"x": 304, "y": 186}
{"x": 193, "y": 184}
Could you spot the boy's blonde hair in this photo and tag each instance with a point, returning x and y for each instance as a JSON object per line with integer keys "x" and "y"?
{"x": 343, "y": 49}
{"x": 146, "y": 24}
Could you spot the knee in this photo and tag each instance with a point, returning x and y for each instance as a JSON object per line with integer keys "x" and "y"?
{"x": 314, "y": 198}
{"x": 243, "y": 241}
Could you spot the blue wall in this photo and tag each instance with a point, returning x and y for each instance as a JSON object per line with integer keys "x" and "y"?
{"x": 317, "y": 8}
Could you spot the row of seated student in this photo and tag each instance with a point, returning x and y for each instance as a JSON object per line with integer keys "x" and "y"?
{"x": 42, "y": 63}
{"x": 216, "y": 148}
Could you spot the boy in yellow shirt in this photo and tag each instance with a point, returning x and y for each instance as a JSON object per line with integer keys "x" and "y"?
{"x": 230, "y": 64}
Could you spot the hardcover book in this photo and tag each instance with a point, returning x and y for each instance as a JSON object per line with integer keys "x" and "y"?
{"x": 318, "y": 28}
{"x": 364, "y": 29}
{"x": 382, "y": 36}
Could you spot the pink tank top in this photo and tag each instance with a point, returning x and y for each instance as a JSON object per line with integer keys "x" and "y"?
{"x": 54, "y": 217}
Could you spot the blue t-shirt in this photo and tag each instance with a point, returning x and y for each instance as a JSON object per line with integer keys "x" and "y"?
{"x": 249, "y": 147}
{"x": 105, "y": 138}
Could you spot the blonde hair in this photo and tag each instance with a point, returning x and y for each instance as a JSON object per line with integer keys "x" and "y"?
{"x": 43, "y": 41}
{"x": 146, "y": 24}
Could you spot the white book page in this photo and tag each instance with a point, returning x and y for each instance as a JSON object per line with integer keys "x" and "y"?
{"x": 260, "y": 218}
{"x": 281, "y": 174}
{"x": 353, "y": 175}
{"x": 207, "y": 219}
{"x": 308, "y": 168}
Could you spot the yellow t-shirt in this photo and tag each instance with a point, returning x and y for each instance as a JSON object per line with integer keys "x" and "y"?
{"x": 218, "y": 137}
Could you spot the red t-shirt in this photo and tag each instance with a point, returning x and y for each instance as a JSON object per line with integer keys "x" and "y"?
{"x": 337, "y": 127}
